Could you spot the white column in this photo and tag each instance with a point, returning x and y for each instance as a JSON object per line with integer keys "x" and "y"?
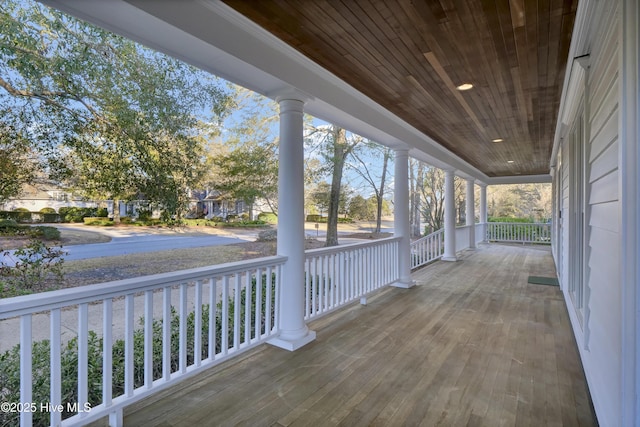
{"x": 483, "y": 210}
{"x": 401, "y": 216}
{"x": 449, "y": 218}
{"x": 470, "y": 220}
{"x": 293, "y": 329}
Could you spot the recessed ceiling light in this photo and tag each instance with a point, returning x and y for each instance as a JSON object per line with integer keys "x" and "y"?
{"x": 509, "y": 161}
{"x": 497, "y": 140}
{"x": 464, "y": 86}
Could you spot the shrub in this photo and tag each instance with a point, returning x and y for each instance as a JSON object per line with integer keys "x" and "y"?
{"x": 46, "y": 232}
{"x": 75, "y": 214}
{"x": 97, "y": 221}
{"x": 51, "y": 217}
{"x": 22, "y": 215}
{"x": 268, "y": 217}
{"x": 314, "y": 218}
{"x": 29, "y": 268}
{"x": 102, "y": 213}
{"x": 47, "y": 211}
{"x": 144, "y": 215}
{"x": 267, "y": 236}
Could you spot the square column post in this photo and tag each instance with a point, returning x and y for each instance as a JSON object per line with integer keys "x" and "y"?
{"x": 294, "y": 332}
{"x": 470, "y": 220}
{"x": 449, "y": 217}
{"x": 483, "y": 210}
{"x": 401, "y": 217}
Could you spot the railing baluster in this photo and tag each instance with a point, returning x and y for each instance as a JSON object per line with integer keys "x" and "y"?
{"x": 213, "y": 314}
{"x": 182, "y": 335}
{"x": 307, "y": 288}
{"x": 83, "y": 355}
{"x": 148, "y": 339}
{"x": 128, "y": 345}
{"x": 259, "y": 284}
{"x": 26, "y": 384}
{"x": 236, "y": 311}
{"x": 268, "y": 298}
{"x": 247, "y": 308}
{"x": 107, "y": 351}
{"x": 197, "y": 324}
{"x": 166, "y": 333}
{"x": 55, "y": 378}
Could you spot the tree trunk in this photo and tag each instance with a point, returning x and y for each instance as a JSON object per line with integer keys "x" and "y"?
{"x": 116, "y": 211}
{"x": 416, "y": 230}
{"x": 380, "y": 192}
{"x": 339, "y": 153}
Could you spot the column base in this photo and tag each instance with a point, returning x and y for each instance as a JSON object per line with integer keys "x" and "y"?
{"x": 404, "y": 284}
{"x": 294, "y": 344}
{"x": 449, "y": 258}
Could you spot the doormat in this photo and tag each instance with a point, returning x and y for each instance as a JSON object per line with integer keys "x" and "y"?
{"x": 537, "y": 280}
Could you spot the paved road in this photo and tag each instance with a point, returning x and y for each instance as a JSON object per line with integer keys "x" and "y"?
{"x": 149, "y": 243}
{"x": 130, "y": 242}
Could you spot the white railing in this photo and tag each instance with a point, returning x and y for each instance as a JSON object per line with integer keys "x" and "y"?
{"x": 221, "y": 311}
{"x": 463, "y": 237}
{"x": 519, "y": 232}
{"x": 427, "y": 249}
{"x": 339, "y": 275}
{"x": 481, "y": 232}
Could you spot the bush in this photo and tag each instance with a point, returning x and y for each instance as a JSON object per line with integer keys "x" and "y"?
{"x": 46, "y": 232}
{"x": 97, "y": 221}
{"x": 75, "y": 214}
{"x": 102, "y": 213}
{"x": 51, "y": 217}
{"x": 47, "y": 211}
{"x": 509, "y": 219}
{"x": 22, "y": 215}
{"x": 268, "y": 217}
{"x": 267, "y": 236}
{"x": 315, "y": 218}
{"x": 144, "y": 215}
{"x": 10, "y": 360}
{"x": 30, "y": 268}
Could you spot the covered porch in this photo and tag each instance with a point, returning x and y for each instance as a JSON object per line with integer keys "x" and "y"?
{"x": 471, "y": 344}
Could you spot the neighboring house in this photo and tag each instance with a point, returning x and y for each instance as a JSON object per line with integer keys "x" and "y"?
{"x": 46, "y": 194}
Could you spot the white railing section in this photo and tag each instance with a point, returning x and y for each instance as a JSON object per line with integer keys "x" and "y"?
{"x": 427, "y": 249}
{"x": 339, "y": 275}
{"x": 519, "y": 232}
{"x": 145, "y": 334}
{"x": 463, "y": 237}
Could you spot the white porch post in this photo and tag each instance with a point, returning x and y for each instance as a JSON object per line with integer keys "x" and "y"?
{"x": 449, "y": 218}
{"x": 293, "y": 329}
{"x": 483, "y": 210}
{"x": 470, "y": 220}
{"x": 401, "y": 216}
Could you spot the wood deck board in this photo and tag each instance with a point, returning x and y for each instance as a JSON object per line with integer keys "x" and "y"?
{"x": 472, "y": 344}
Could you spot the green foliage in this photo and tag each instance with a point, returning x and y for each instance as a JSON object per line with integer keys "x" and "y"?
{"x": 47, "y": 211}
{"x": 112, "y": 118}
{"x": 509, "y": 219}
{"x": 9, "y": 227}
{"x": 31, "y": 267}
{"x": 10, "y": 360}
{"x": 315, "y": 218}
{"x": 268, "y": 217}
{"x": 75, "y": 214}
{"x": 17, "y": 162}
{"x": 97, "y": 221}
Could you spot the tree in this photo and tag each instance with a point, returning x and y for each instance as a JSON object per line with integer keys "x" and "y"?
{"x": 320, "y": 196}
{"x": 111, "y": 116}
{"x": 16, "y": 163}
{"x": 336, "y": 145}
{"x": 244, "y": 159}
{"x": 433, "y": 197}
{"x": 416, "y": 187}
{"x": 365, "y": 156}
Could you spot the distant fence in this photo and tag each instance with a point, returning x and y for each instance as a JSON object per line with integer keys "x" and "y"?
{"x": 519, "y": 232}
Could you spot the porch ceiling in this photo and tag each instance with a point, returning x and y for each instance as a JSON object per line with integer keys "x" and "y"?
{"x": 409, "y": 56}
{"x": 386, "y": 71}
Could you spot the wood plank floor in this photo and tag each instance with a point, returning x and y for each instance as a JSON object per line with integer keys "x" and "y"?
{"x": 471, "y": 345}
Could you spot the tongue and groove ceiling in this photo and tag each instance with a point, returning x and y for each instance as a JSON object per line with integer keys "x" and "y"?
{"x": 409, "y": 56}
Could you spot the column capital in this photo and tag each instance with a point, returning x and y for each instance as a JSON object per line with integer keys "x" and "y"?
{"x": 290, "y": 93}
{"x": 401, "y": 151}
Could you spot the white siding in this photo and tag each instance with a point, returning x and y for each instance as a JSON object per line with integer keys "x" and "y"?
{"x": 599, "y": 337}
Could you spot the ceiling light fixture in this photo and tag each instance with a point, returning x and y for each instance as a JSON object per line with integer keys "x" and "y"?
{"x": 464, "y": 86}
{"x": 497, "y": 140}
{"x": 509, "y": 161}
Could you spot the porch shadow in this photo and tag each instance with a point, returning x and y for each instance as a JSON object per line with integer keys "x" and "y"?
{"x": 472, "y": 344}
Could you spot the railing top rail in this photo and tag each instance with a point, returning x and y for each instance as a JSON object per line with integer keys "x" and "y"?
{"x": 428, "y": 236}
{"x": 518, "y": 223}
{"x": 16, "y": 306}
{"x": 350, "y": 246}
